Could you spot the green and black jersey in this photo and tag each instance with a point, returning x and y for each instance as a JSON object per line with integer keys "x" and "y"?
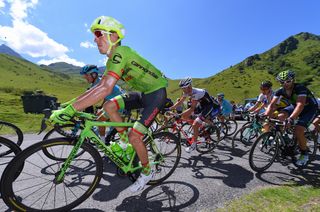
{"x": 136, "y": 71}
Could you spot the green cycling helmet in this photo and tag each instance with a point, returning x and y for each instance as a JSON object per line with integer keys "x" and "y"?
{"x": 285, "y": 75}
{"x": 108, "y": 24}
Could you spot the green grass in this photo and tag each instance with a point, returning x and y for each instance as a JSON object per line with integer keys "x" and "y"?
{"x": 283, "y": 198}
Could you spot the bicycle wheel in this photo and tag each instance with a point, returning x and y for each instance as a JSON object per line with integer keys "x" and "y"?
{"x": 218, "y": 131}
{"x": 312, "y": 144}
{"x": 11, "y": 132}
{"x": 8, "y": 146}
{"x": 232, "y": 126}
{"x": 36, "y": 188}
{"x": 263, "y": 152}
{"x": 64, "y": 130}
{"x": 159, "y": 146}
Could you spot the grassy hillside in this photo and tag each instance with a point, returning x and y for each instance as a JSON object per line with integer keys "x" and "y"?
{"x": 18, "y": 76}
{"x": 300, "y": 53}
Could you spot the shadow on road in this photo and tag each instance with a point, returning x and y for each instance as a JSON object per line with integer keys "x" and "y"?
{"x": 168, "y": 196}
{"x": 234, "y": 175}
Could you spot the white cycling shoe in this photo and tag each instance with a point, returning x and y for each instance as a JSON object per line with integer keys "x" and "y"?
{"x": 141, "y": 182}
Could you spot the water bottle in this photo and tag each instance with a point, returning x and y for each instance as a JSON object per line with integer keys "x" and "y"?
{"x": 116, "y": 148}
{"x": 128, "y": 153}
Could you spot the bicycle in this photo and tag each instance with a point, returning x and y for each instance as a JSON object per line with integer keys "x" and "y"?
{"x": 59, "y": 183}
{"x": 249, "y": 131}
{"x": 277, "y": 143}
{"x": 11, "y": 132}
{"x": 209, "y": 134}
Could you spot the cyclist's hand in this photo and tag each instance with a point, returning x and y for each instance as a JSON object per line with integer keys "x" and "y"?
{"x": 289, "y": 122}
{"x": 62, "y": 116}
{"x": 65, "y": 104}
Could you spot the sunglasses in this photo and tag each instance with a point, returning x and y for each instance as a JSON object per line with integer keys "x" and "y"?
{"x": 264, "y": 89}
{"x": 99, "y": 33}
{"x": 287, "y": 81}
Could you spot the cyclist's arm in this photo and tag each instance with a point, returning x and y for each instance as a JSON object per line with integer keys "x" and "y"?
{"x": 255, "y": 106}
{"x": 301, "y": 101}
{"x": 96, "y": 94}
{"x": 187, "y": 113}
{"x": 272, "y": 106}
{"x": 181, "y": 100}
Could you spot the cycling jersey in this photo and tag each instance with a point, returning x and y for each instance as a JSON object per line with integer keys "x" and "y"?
{"x": 137, "y": 72}
{"x": 202, "y": 96}
{"x": 298, "y": 90}
{"x": 226, "y": 107}
{"x": 265, "y": 99}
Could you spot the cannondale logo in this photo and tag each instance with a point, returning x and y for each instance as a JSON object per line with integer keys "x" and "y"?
{"x": 116, "y": 58}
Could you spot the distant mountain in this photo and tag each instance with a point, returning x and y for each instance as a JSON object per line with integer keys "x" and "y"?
{"x": 7, "y": 50}
{"x": 63, "y": 67}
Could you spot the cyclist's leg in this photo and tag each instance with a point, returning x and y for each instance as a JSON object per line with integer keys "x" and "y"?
{"x": 304, "y": 120}
{"x": 152, "y": 103}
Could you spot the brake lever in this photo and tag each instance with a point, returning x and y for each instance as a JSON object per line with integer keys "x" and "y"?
{"x": 47, "y": 113}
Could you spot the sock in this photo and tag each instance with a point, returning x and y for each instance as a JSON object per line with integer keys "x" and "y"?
{"x": 146, "y": 170}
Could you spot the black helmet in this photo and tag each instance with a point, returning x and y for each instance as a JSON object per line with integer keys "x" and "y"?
{"x": 266, "y": 84}
{"x": 185, "y": 82}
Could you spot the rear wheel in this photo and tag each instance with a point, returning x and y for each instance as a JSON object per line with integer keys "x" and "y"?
{"x": 232, "y": 126}
{"x": 37, "y": 189}
{"x": 162, "y": 156}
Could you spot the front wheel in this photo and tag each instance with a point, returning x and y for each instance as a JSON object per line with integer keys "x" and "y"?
{"x": 11, "y": 132}
{"x": 263, "y": 152}
{"x": 37, "y": 189}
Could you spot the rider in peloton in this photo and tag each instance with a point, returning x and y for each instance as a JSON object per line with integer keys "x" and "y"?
{"x": 207, "y": 104}
{"x": 302, "y": 111}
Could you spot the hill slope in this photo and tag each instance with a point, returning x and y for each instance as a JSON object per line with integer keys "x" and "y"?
{"x": 18, "y": 76}
{"x": 7, "y": 50}
{"x": 300, "y": 53}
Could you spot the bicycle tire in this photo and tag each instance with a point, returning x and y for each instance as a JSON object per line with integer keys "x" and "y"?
{"x": 231, "y": 131}
{"x": 15, "y": 199}
{"x": 15, "y": 134}
{"x": 61, "y": 130}
{"x": 174, "y": 156}
{"x": 235, "y": 137}
{"x": 266, "y": 139}
{"x": 14, "y": 149}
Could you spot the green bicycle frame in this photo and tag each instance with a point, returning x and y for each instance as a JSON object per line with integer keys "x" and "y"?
{"x": 87, "y": 133}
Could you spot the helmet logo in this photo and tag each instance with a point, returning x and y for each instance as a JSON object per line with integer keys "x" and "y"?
{"x": 117, "y": 58}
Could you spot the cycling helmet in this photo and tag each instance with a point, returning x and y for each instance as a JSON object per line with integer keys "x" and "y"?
{"x": 266, "y": 84}
{"x": 185, "y": 82}
{"x": 220, "y": 94}
{"x": 108, "y": 24}
{"x": 88, "y": 69}
{"x": 285, "y": 75}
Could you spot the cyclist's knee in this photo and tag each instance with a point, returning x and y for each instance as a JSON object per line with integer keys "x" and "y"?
{"x": 137, "y": 132}
{"x": 110, "y": 106}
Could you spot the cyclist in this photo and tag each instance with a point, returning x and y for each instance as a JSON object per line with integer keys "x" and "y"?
{"x": 207, "y": 106}
{"x": 91, "y": 74}
{"x": 124, "y": 63}
{"x": 302, "y": 110}
{"x": 264, "y": 98}
{"x": 226, "y": 107}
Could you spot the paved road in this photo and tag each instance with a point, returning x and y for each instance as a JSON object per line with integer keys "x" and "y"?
{"x": 200, "y": 182}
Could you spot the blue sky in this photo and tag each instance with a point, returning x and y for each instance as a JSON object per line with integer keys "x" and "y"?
{"x": 196, "y": 38}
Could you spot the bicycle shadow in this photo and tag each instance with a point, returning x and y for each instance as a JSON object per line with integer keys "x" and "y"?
{"x": 116, "y": 183}
{"x": 309, "y": 175}
{"x": 168, "y": 196}
{"x": 234, "y": 175}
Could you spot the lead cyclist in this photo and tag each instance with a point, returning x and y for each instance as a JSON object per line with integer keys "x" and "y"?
{"x": 123, "y": 63}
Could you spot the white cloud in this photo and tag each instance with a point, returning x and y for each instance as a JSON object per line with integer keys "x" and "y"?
{"x": 63, "y": 58}
{"x": 2, "y": 4}
{"x": 103, "y": 61}
{"x": 87, "y": 44}
{"x": 28, "y": 39}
